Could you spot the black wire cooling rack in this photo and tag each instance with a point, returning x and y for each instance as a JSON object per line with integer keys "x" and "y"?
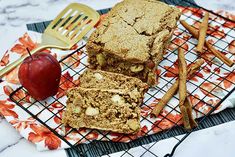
{"x": 99, "y": 148}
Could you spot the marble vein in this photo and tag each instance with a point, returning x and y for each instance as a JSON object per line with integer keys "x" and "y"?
{"x": 10, "y": 145}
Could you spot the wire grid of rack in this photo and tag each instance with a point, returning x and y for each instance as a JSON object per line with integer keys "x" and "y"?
{"x": 98, "y": 148}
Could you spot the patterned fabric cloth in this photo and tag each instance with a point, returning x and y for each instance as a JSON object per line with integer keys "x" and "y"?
{"x": 44, "y": 139}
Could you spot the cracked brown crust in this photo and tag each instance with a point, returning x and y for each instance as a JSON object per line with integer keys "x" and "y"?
{"x": 134, "y": 32}
{"x": 121, "y": 117}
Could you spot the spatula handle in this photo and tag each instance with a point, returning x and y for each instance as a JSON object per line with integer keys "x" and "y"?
{"x": 18, "y": 61}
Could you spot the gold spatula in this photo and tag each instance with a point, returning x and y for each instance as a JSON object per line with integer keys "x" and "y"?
{"x": 64, "y": 31}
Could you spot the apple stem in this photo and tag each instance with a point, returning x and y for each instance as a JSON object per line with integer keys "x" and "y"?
{"x": 29, "y": 52}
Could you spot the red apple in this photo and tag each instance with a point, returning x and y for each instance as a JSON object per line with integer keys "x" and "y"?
{"x": 40, "y": 75}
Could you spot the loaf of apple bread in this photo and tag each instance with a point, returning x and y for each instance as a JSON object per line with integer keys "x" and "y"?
{"x": 132, "y": 38}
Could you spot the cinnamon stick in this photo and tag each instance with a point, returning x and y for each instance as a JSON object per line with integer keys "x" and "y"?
{"x": 182, "y": 76}
{"x": 165, "y": 99}
{"x": 202, "y": 33}
{"x": 185, "y": 117}
{"x": 169, "y": 94}
{"x": 188, "y": 107}
{"x": 182, "y": 88}
{"x": 218, "y": 54}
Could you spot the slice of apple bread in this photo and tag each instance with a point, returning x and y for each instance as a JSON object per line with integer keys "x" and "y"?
{"x": 114, "y": 110}
{"x": 108, "y": 80}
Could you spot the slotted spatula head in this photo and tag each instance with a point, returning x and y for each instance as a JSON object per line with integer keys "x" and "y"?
{"x": 72, "y": 23}
{"x": 70, "y": 26}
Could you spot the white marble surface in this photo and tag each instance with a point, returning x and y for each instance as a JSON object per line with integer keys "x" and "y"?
{"x": 216, "y": 141}
{"x": 227, "y": 5}
{"x": 11, "y": 140}
{"x": 14, "y": 14}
